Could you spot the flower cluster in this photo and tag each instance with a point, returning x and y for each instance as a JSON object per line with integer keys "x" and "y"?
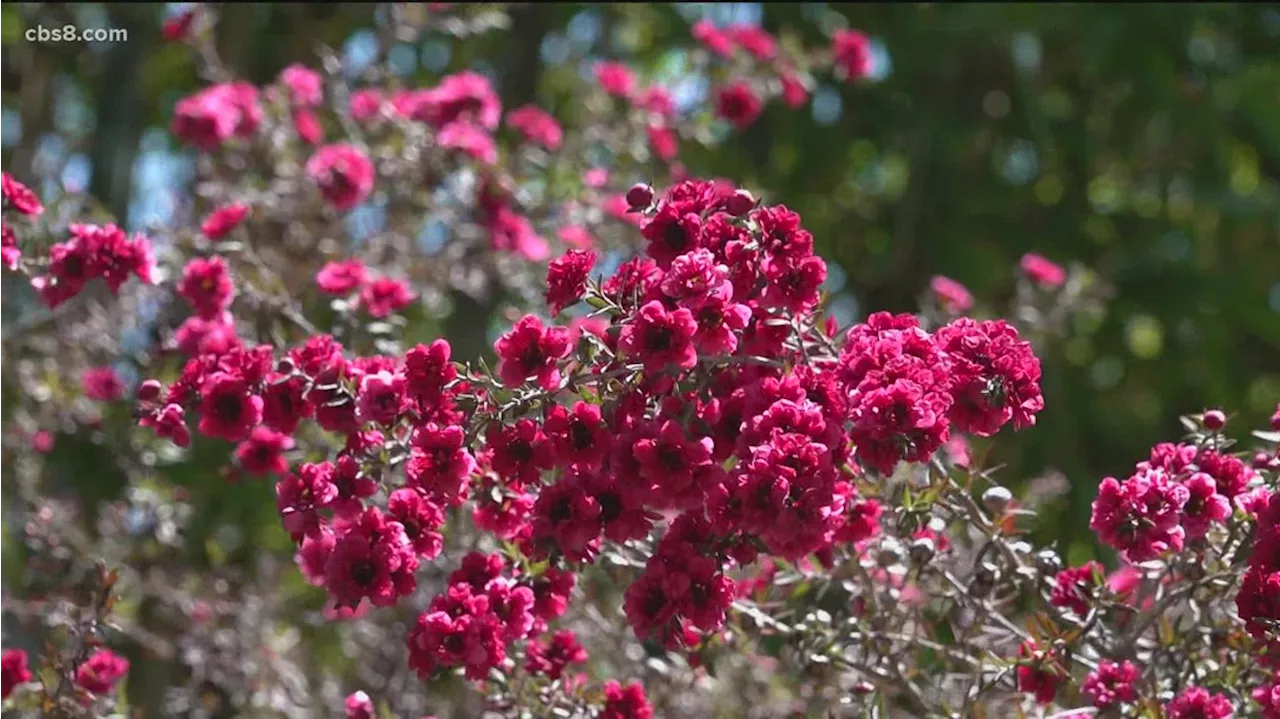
{"x": 93, "y": 251}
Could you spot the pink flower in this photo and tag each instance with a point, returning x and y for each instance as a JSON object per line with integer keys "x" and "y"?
{"x": 102, "y": 384}
{"x": 755, "y": 40}
{"x": 627, "y": 702}
{"x": 19, "y": 197}
{"x": 168, "y": 422}
{"x": 995, "y": 376}
{"x": 307, "y": 124}
{"x": 658, "y": 338}
{"x": 712, "y": 38}
{"x": 663, "y": 141}
{"x": 101, "y": 672}
{"x": 537, "y": 126}
{"x": 530, "y": 350}
{"x": 851, "y": 54}
{"x": 263, "y": 452}
{"x": 1198, "y": 703}
{"x": 952, "y": 295}
{"x": 1111, "y": 683}
{"x": 10, "y": 253}
{"x": 550, "y": 657}
{"x": 577, "y": 236}
{"x": 472, "y": 140}
{"x": 615, "y": 78}
{"x": 738, "y": 104}
{"x": 306, "y": 87}
{"x": 223, "y": 220}
{"x": 373, "y": 560}
{"x": 794, "y": 92}
{"x": 1076, "y": 587}
{"x": 340, "y": 278}
{"x": 177, "y": 28}
{"x": 212, "y": 116}
{"x": 227, "y": 409}
{"x": 13, "y": 671}
{"x": 381, "y": 397}
{"x": 384, "y": 296}
{"x": 421, "y": 519}
{"x": 206, "y": 285}
{"x": 1204, "y": 505}
{"x": 1042, "y": 271}
{"x": 358, "y": 705}
{"x": 1140, "y": 516}
{"x": 567, "y": 278}
{"x": 1039, "y": 673}
{"x": 366, "y": 105}
{"x": 343, "y": 173}
{"x": 93, "y": 251}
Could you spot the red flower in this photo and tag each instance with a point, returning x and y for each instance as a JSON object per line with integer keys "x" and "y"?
{"x": 755, "y": 40}
{"x": 658, "y": 338}
{"x": 520, "y": 451}
{"x": 358, "y": 705}
{"x": 13, "y": 671}
{"x": 566, "y": 517}
{"x": 307, "y": 125}
{"x": 550, "y": 657}
{"x": 1111, "y": 683}
{"x": 421, "y": 519}
{"x": 579, "y": 436}
{"x": 305, "y": 86}
{"x": 615, "y": 78}
{"x": 101, "y": 672}
{"x": 531, "y": 350}
{"x": 212, "y": 116}
{"x": 91, "y": 252}
{"x": 340, "y": 278}
{"x": 178, "y": 27}
{"x": 1039, "y": 673}
{"x": 1204, "y": 505}
{"x": 168, "y": 422}
{"x": 263, "y": 452}
{"x": 537, "y": 126}
{"x": 461, "y": 97}
{"x": 851, "y": 54}
{"x": 385, "y": 295}
{"x": 952, "y": 295}
{"x": 366, "y": 105}
{"x": 473, "y": 141}
{"x": 1042, "y": 271}
{"x": 206, "y": 285}
{"x": 738, "y": 104}
{"x": 627, "y": 702}
{"x": 1198, "y": 703}
{"x": 300, "y": 494}
{"x": 711, "y": 37}
{"x": 1075, "y": 588}
{"x": 381, "y": 396}
{"x": 373, "y": 560}
{"x": 794, "y": 92}
{"x": 343, "y": 173}
{"x": 995, "y": 376}
{"x": 440, "y": 463}
{"x": 1140, "y": 516}
{"x": 567, "y": 278}
{"x": 671, "y": 461}
{"x": 663, "y": 141}
{"x": 793, "y": 284}
{"x": 19, "y": 197}
{"x": 223, "y": 220}
{"x": 102, "y": 384}
{"x": 227, "y": 408}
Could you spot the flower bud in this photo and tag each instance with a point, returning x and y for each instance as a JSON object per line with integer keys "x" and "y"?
{"x": 149, "y": 390}
{"x": 997, "y": 499}
{"x": 921, "y": 550}
{"x": 640, "y": 196}
{"x": 739, "y": 203}
{"x": 1048, "y": 562}
{"x": 285, "y": 366}
{"x": 1213, "y": 420}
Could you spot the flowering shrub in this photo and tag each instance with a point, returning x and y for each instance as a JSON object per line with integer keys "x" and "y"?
{"x": 677, "y": 454}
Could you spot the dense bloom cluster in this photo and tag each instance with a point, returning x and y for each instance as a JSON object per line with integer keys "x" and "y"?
{"x": 1174, "y": 496}
{"x": 93, "y": 251}
{"x": 100, "y": 673}
{"x": 1259, "y": 599}
{"x": 725, "y": 300}
{"x": 13, "y": 671}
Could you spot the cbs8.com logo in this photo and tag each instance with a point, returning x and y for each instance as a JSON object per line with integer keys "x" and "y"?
{"x": 71, "y": 33}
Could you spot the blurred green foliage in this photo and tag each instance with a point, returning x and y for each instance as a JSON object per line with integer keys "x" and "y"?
{"x": 1142, "y": 141}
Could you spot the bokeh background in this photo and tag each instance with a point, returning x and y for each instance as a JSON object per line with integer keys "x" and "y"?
{"x": 1140, "y": 143}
